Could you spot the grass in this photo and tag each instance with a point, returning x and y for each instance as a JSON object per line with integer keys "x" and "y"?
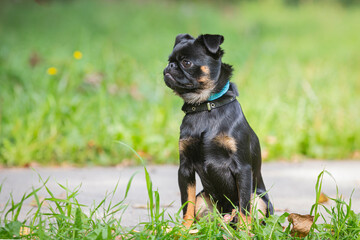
{"x": 68, "y": 219}
{"x": 295, "y": 67}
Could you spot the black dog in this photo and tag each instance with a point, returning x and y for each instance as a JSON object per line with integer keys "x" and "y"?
{"x": 216, "y": 141}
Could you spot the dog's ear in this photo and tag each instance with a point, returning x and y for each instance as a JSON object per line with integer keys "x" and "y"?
{"x": 182, "y": 37}
{"x": 211, "y": 42}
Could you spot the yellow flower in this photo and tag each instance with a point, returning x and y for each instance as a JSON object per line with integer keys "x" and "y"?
{"x": 77, "y": 55}
{"x": 52, "y": 71}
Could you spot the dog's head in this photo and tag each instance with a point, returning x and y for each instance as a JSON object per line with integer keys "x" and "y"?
{"x": 195, "y": 69}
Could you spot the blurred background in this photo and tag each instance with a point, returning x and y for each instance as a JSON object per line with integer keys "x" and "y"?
{"x": 78, "y": 76}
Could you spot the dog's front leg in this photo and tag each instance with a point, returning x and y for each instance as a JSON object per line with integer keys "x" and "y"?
{"x": 186, "y": 177}
{"x": 244, "y": 188}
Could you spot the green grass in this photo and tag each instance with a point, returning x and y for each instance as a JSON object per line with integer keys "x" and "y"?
{"x": 296, "y": 69}
{"x": 69, "y": 219}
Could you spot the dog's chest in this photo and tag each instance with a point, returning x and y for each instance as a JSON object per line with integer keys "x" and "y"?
{"x": 199, "y": 124}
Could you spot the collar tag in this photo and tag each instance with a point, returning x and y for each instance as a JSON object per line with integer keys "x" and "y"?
{"x": 208, "y": 106}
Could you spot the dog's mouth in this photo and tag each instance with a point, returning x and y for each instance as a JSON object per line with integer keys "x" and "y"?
{"x": 169, "y": 79}
{"x": 169, "y": 76}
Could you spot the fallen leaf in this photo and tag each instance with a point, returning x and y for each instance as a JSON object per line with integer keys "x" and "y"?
{"x": 34, "y": 59}
{"x": 24, "y": 231}
{"x": 301, "y": 224}
{"x": 125, "y": 163}
{"x": 356, "y": 154}
{"x": 62, "y": 195}
{"x": 135, "y": 93}
{"x": 120, "y": 237}
{"x": 167, "y": 205}
{"x": 32, "y": 165}
{"x": 143, "y": 154}
{"x": 91, "y": 143}
{"x": 113, "y": 89}
{"x": 264, "y": 154}
{"x": 323, "y": 198}
{"x": 281, "y": 210}
{"x": 193, "y": 231}
{"x": 228, "y": 218}
{"x": 140, "y": 206}
{"x": 271, "y": 140}
{"x": 42, "y": 202}
{"x": 94, "y": 79}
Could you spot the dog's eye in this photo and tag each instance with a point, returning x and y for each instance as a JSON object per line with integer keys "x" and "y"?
{"x": 186, "y": 63}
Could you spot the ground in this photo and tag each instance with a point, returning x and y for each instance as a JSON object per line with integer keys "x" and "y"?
{"x": 291, "y": 185}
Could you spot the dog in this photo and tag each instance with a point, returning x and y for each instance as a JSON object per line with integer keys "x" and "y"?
{"x": 216, "y": 141}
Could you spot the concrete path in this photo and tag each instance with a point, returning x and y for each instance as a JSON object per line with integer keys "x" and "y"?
{"x": 291, "y": 185}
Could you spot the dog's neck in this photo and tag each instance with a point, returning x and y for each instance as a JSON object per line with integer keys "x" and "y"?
{"x": 217, "y": 95}
{"x": 213, "y": 87}
{"x": 224, "y": 77}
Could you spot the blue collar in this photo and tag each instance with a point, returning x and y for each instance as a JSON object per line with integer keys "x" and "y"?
{"x": 215, "y": 96}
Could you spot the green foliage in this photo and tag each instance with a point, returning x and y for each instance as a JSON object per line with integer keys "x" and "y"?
{"x": 68, "y": 219}
{"x": 345, "y": 3}
{"x": 340, "y": 221}
{"x": 296, "y": 70}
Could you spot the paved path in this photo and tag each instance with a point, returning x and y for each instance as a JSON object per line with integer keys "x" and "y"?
{"x": 291, "y": 185}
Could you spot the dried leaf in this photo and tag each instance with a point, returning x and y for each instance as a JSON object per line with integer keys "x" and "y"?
{"x": 33, "y": 203}
{"x": 94, "y": 79}
{"x": 125, "y": 163}
{"x": 167, "y": 205}
{"x": 91, "y": 144}
{"x": 356, "y": 154}
{"x": 62, "y": 195}
{"x": 271, "y": 140}
{"x": 264, "y": 154}
{"x": 135, "y": 93}
{"x": 301, "y": 224}
{"x": 24, "y": 231}
{"x": 228, "y": 218}
{"x": 113, "y": 89}
{"x": 282, "y": 210}
{"x": 32, "y": 165}
{"x": 323, "y": 198}
{"x": 193, "y": 231}
{"x": 140, "y": 206}
{"x": 34, "y": 59}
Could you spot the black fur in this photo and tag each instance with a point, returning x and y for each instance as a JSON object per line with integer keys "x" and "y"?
{"x": 228, "y": 169}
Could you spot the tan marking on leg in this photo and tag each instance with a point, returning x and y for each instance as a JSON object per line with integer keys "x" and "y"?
{"x": 190, "y": 211}
{"x": 203, "y": 206}
{"x": 260, "y": 206}
{"x": 259, "y": 211}
{"x": 245, "y": 218}
{"x": 184, "y": 143}
{"x": 227, "y": 142}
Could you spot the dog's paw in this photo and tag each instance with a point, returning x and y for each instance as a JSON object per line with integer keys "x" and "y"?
{"x": 187, "y": 223}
